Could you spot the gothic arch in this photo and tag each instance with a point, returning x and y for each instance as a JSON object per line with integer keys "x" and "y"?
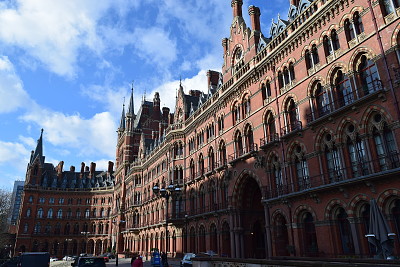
{"x": 301, "y": 210}
{"x": 369, "y": 112}
{"x": 353, "y": 62}
{"x": 331, "y": 205}
{"x": 395, "y": 35}
{"x": 341, "y": 127}
{"x": 355, "y": 203}
{"x": 320, "y": 134}
{"x": 292, "y": 146}
{"x": 312, "y": 82}
{"x": 334, "y": 68}
{"x": 241, "y": 179}
{"x": 385, "y": 197}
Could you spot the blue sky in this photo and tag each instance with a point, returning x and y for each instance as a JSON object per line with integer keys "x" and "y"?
{"x": 66, "y": 67}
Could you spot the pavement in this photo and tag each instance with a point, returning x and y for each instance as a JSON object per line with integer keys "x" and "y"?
{"x": 121, "y": 263}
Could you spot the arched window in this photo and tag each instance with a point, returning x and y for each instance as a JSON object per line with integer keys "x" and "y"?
{"x": 266, "y": 91}
{"x": 309, "y": 239}
{"x": 59, "y": 214}
{"x": 28, "y": 212}
{"x": 87, "y": 213}
{"x": 222, "y": 153}
{"x": 358, "y": 24}
{"x": 309, "y": 62}
{"x": 94, "y": 214}
{"x": 333, "y": 161}
{"x": 276, "y": 172}
{"x": 25, "y": 228}
{"x": 292, "y": 118}
{"x": 335, "y": 40}
{"x": 211, "y": 159}
{"x": 50, "y": 213}
{"x": 78, "y": 213}
{"x": 249, "y": 139}
{"x": 238, "y": 144}
{"x": 102, "y": 213}
{"x": 236, "y": 113}
{"x": 38, "y": 228}
{"x": 69, "y": 214}
{"x": 202, "y": 199}
{"x": 40, "y": 213}
{"x": 57, "y": 229}
{"x": 322, "y": 101}
{"x": 385, "y": 144}
{"x": 281, "y": 81}
{"x": 66, "y": 229}
{"x": 345, "y": 231}
{"x": 314, "y": 54}
{"x": 270, "y": 134}
{"x": 201, "y": 165}
{"x": 213, "y": 195}
{"x": 343, "y": 89}
{"x": 369, "y": 77}
{"x": 357, "y": 153}
{"x": 246, "y": 106}
{"x": 192, "y": 169}
{"x": 301, "y": 166}
{"x": 328, "y": 48}
{"x": 389, "y": 6}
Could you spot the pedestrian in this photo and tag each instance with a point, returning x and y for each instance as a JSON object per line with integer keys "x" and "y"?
{"x": 137, "y": 262}
{"x": 164, "y": 259}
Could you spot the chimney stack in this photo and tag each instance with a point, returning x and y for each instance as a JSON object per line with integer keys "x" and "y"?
{"x": 255, "y": 13}
{"x": 225, "y": 45}
{"x": 110, "y": 166}
{"x": 237, "y": 8}
{"x": 87, "y": 169}
{"x": 82, "y": 167}
{"x": 92, "y": 168}
{"x": 72, "y": 169}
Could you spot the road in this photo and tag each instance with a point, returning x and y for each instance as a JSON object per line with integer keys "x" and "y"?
{"x": 121, "y": 263}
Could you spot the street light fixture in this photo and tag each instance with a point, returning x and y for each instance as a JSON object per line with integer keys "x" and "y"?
{"x": 166, "y": 193}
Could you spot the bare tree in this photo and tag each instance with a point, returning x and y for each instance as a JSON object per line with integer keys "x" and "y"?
{"x": 5, "y": 211}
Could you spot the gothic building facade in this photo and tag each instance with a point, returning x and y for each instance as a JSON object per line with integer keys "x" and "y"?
{"x": 280, "y": 157}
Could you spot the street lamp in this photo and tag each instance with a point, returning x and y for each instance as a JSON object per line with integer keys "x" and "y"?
{"x": 116, "y": 241}
{"x": 86, "y": 235}
{"x": 166, "y": 193}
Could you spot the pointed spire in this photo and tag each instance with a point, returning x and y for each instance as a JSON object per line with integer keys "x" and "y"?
{"x": 39, "y": 150}
{"x": 122, "y": 123}
{"x": 131, "y": 108}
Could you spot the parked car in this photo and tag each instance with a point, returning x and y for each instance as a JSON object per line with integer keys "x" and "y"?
{"x": 106, "y": 258}
{"x": 53, "y": 259}
{"x": 110, "y": 255}
{"x": 34, "y": 259}
{"x": 68, "y": 258}
{"x": 187, "y": 260}
{"x": 89, "y": 262}
{"x": 11, "y": 262}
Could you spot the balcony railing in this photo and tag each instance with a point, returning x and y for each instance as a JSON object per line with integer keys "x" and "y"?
{"x": 221, "y": 164}
{"x": 202, "y": 209}
{"x": 331, "y": 107}
{"x": 360, "y": 171}
{"x": 269, "y": 139}
{"x": 243, "y": 153}
{"x": 292, "y": 128}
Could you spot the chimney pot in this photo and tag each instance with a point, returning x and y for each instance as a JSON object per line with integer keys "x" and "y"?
{"x": 92, "y": 167}
{"x": 82, "y": 167}
{"x": 110, "y": 166}
{"x": 237, "y": 7}
{"x": 255, "y": 13}
{"x": 72, "y": 169}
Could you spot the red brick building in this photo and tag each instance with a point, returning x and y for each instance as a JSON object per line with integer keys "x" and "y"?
{"x": 280, "y": 158}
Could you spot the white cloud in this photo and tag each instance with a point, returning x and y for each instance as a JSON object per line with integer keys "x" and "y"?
{"x": 29, "y": 141}
{"x": 197, "y": 82}
{"x": 155, "y": 46}
{"x": 12, "y": 154}
{"x": 53, "y": 32}
{"x": 91, "y": 136}
{"x": 13, "y": 96}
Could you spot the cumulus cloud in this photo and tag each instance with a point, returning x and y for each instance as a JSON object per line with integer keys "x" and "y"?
{"x": 91, "y": 136}
{"x": 54, "y": 32}
{"x": 12, "y": 154}
{"x": 13, "y": 96}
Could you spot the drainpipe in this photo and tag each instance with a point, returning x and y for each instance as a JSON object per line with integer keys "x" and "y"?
{"x": 378, "y": 37}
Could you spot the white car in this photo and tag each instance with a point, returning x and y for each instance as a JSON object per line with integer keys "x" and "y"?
{"x": 53, "y": 259}
{"x": 68, "y": 258}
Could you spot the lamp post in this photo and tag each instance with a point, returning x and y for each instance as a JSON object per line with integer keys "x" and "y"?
{"x": 86, "y": 235}
{"x": 116, "y": 240}
{"x": 166, "y": 193}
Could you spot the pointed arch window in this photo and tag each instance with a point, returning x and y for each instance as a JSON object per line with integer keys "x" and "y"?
{"x": 327, "y": 46}
{"x": 192, "y": 169}
{"x": 357, "y": 153}
{"x": 322, "y": 101}
{"x": 270, "y": 134}
{"x": 50, "y": 213}
{"x": 246, "y": 106}
{"x": 87, "y": 213}
{"x": 222, "y": 154}
{"x": 59, "y": 214}
{"x": 201, "y": 165}
{"x": 335, "y": 40}
{"x": 292, "y": 117}
{"x": 38, "y": 228}
{"x": 333, "y": 161}
{"x": 343, "y": 89}
{"x": 25, "y": 228}
{"x": 211, "y": 159}
{"x": 345, "y": 232}
{"x": 238, "y": 144}
{"x": 385, "y": 144}
{"x": 236, "y": 113}
{"x": 276, "y": 172}
{"x": 369, "y": 76}
{"x": 249, "y": 140}
{"x": 310, "y": 242}
{"x": 40, "y": 213}
{"x": 266, "y": 91}
{"x": 28, "y": 212}
{"x": 301, "y": 165}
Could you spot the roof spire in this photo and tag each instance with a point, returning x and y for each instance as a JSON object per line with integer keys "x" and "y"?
{"x": 131, "y": 108}
{"x": 39, "y": 150}
{"x": 122, "y": 123}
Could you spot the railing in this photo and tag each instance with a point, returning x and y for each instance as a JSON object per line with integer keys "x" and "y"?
{"x": 355, "y": 172}
{"x": 346, "y": 100}
{"x": 269, "y": 139}
{"x": 221, "y": 164}
{"x": 243, "y": 152}
{"x": 292, "y": 127}
{"x": 201, "y": 209}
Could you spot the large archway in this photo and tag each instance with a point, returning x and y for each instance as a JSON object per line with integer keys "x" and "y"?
{"x": 252, "y": 218}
